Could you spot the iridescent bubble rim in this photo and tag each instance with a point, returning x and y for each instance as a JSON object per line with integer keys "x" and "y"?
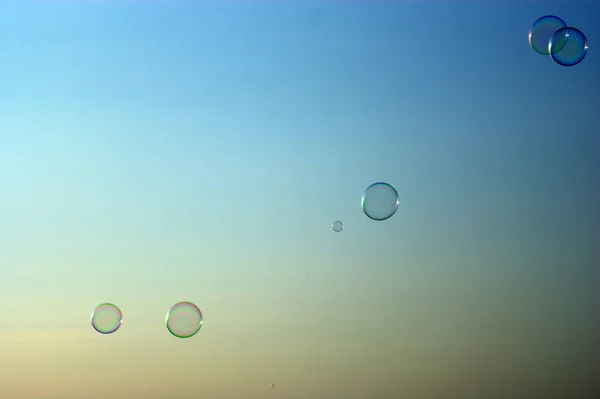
{"x": 107, "y": 307}
{"x": 387, "y": 186}
{"x": 572, "y": 46}
{"x": 542, "y": 30}
{"x": 180, "y": 311}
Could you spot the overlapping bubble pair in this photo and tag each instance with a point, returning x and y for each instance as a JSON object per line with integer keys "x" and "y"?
{"x": 550, "y": 35}
{"x": 184, "y": 319}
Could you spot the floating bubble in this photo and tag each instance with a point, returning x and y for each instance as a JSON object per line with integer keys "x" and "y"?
{"x": 184, "y": 320}
{"x": 380, "y": 201}
{"x": 541, "y": 33}
{"x": 337, "y": 226}
{"x": 568, "y": 46}
{"x": 107, "y": 318}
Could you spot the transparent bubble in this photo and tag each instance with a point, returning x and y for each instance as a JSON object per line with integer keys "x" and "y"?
{"x": 337, "y": 226}
{"x": 380, "y": 201}
{"x": 541, "y": 32}
{"x": 184, "y": 320}
{"x": 107, "y": 318}
{"x": 568, "y": 46}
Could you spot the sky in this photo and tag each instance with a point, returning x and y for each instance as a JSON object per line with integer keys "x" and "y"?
{"x": 156, "y": 152}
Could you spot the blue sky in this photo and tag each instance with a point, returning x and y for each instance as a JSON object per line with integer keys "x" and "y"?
{"x": 158, "y": 152}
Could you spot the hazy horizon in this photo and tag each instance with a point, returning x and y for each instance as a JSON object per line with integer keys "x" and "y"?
{"x": 155, "y": 152}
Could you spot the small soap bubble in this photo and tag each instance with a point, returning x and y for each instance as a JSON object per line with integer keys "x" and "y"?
{"x": 568, "y": 46}
{"x": 337, "y": 226}
{"x": 184, "y": 320}
{"x": 107, "y": 318}
{"x": 541, "y": 33}
{"x": 380, "y": 201}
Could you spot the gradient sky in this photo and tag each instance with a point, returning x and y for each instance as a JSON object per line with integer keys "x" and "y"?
{"x": 153, "y": 152}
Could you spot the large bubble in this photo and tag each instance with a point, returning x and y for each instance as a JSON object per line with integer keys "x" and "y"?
{"x": 541, "y": 33}
{"x": 380, "y": 201}
{"x": 184, "y": 320}
{"x": 107, "y": 318}
{"x": 568, "y": 46}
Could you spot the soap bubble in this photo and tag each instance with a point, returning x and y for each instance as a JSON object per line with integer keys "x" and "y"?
{"x": 184, "y": 320}
{"x": 107, "y": 318}
{"x": 541, "y": 33}
{"x": 568, "y": 46}
{"x": 338, "y": 226}
{"x": 380, "y": 201}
